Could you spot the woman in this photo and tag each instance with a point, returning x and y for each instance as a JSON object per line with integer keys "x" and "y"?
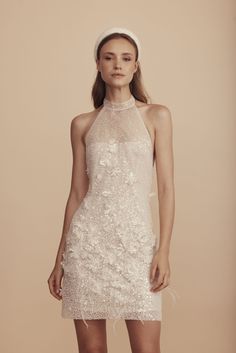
{"x": 111, "y": 264}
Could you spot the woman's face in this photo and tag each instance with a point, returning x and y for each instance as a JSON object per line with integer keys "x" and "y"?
{"x": 117, "y": 56}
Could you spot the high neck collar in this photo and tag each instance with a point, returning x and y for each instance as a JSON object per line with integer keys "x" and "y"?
{"x": 119, "y": 105}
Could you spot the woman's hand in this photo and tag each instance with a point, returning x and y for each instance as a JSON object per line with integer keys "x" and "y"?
{"x": 159, "y": 271}
{"x": 54, "y": 281}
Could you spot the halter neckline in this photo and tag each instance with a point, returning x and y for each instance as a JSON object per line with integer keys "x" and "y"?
{"x": 129, "y": 103}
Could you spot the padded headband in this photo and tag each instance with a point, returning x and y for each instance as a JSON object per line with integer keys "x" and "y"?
{"x": 116, "y": 30}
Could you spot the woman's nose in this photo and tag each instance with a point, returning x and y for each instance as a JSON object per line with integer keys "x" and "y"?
{"x": 117, "y": 63}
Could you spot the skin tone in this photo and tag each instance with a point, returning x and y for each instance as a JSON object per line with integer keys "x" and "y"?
{"x": 118, "y": 56}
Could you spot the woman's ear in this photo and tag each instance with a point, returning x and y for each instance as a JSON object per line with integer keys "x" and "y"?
{"x": 97, "y": 62}
{"x": 136, "y": 66}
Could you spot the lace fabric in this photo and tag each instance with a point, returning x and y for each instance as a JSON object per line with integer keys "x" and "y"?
{"x": 110, "y": 242}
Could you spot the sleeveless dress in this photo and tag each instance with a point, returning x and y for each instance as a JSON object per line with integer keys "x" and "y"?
{"x": 110, "y": 242}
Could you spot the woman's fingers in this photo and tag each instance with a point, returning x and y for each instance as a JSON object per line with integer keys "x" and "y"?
{"x": 54, "y": 283}
{"x": 159, "y": 280}
{"x": 153, "y": 271}
{"x": 161, "y": 283}
{"x": 58, "y": 288}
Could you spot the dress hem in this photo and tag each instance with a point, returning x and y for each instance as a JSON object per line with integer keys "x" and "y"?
{"x": 114, "y": 319}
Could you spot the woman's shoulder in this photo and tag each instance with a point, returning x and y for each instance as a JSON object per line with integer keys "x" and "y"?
{"x": 155, "y": 111}
{"x": 79, "y": 118}
{"x": 158, "y": 107}
{"x": 81, "y": 121}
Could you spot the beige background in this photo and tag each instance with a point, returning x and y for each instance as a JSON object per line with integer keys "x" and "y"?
{"x": 47, "y": 71}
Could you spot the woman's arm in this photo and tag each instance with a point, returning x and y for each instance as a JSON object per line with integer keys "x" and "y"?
{"x": 165, "y": 174}
{"x": 162, "y": 122}
{"x": 79, "y": 179}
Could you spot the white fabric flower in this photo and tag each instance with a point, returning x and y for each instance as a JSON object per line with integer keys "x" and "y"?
{"x": 113, "y": 148}
{"x": 106, "y": 192}
{"x": 99, "y": 176}
{"x": 130, "y": 178}
{"x": 105, "y": 162}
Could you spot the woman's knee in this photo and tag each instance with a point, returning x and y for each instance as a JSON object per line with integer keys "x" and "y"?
{"x": 93, "y": 348}
{"x": 93, "y": 338}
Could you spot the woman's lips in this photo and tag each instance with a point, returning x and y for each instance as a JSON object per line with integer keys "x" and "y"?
{"x": 117, "y": 75}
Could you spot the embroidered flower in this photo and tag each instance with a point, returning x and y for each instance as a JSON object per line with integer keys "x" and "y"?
{"x": 105, "y": 162}
{"x": 130, "y": 178}
{"x": 76, "y": 228}
{"x": 73, "y": 252}
{"x": 113, "y": 148}
{"x": 99, "y": 176}
{"x": 106, "y": 193}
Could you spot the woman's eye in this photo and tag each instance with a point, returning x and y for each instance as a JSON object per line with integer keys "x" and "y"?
{"x": 126, "y": 59}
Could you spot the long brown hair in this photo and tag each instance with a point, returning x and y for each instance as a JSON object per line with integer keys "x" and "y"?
{"x": 136, "y": 85}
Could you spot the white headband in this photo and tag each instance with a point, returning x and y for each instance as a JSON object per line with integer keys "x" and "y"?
{"x": 116, "y": 30}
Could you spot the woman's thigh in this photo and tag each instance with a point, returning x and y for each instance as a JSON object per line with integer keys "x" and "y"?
{"x": 144, "y": 337}
{"x": 92, "y": 338}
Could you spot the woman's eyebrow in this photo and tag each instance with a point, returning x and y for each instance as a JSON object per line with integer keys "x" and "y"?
{"x": 125, "y": 53}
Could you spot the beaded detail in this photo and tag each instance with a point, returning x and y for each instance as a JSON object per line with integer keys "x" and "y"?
{"x": 110, "y": 242}
{"x": 119, "y": 105}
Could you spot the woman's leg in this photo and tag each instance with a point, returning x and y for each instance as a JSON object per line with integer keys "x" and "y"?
{"x": 91, "y": 339}
{"x": 144, "y": 337}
